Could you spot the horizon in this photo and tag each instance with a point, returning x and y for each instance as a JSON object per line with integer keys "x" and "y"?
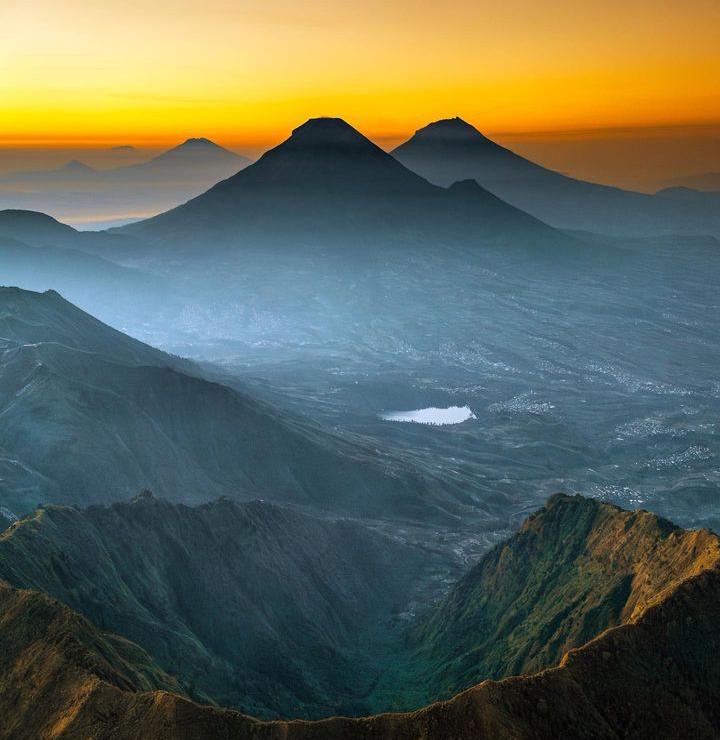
{"x": 645, "y": 158}
{"x": 592, "y": 91}
{"x": 358, "y": 369}
{"x": 223, "y": 68}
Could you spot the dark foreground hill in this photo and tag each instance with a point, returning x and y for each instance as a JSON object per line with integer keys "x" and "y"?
{"x": 450, "y": 150}
{"x": 89, "y": 415}
{"x": 645, "y": 667}
{"x": 248, "y": 605}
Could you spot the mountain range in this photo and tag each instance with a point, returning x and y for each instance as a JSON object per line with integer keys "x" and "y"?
{"x": 628, "y": 660}
{"x": 328, "y": 186}
{"x": 327, "y": 179}
{"x": 450, "y": 150}
{"x": 90, "y": 197}
{"x": 197, "y": 160}
{"x": 90, "y": 415}
{"x": 248, "y": 605}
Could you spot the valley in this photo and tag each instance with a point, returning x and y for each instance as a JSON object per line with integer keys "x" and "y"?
{"x": 296, "y": 458}
{"x": 666, "y": 591}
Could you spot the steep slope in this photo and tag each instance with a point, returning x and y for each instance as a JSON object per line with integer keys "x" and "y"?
{"x": 249, "y": 605}
{"x": 651, "y": 676}
{"x": 89, "y": 415}
{"x": 574, "y": 569}
{"x": 118, "y": 294}
{"x": 31, "y": 318}
{"x": 329, "y": 186}
{"x": 450, "y": 150}
{"x": 53, "y": 658}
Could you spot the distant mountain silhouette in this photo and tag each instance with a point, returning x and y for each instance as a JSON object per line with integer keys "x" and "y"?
{"x": 329, "y": 185}
{"x": 78, "y": 193}
{"x": 183, "y": 160}
{"x": 194, "y": 159}
{"x": 706, "y": 181}
{"x": 74, "y": 172}
{"x": 37, "y": 229}
{"x": 75, "y": 167}
{"x": 39, "y": 253}
{"x": 450, "y": 150}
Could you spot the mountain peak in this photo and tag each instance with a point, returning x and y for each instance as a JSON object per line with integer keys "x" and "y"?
{"x": 451, "y": 149}
{"x": 195, "y": 145}
{"x": 197, "y": 148}
{"x": 76, "y": 166}
{"x": 329, "y": 155}
{"x": 328, "y": 131}
{"x": 450, "y": 129}
{"x": 199, "y": 141}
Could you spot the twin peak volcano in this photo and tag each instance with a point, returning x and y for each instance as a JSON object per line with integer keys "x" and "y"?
{"x": 329, "y": 184}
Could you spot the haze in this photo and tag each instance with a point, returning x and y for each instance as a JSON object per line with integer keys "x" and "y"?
{"x": 336, "y": 382}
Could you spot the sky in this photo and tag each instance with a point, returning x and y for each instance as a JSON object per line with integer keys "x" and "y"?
{"x": 87, "y": 73}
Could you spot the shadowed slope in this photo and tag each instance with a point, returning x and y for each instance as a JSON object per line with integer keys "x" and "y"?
{"x": 652, "y": 676}
{"x": 328, "y": 185}
{"x": 249, "y": 605}
{"x": 451, "y": 149}
{"x": 89, "y": 415}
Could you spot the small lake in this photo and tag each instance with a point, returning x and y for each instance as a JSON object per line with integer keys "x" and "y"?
{"x": 432, "y": 416}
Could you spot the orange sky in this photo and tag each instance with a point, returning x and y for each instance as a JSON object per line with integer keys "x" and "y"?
{"x": 133, "y": 71}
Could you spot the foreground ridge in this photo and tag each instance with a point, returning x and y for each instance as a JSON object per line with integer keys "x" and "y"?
{"x": 646, "y": 677}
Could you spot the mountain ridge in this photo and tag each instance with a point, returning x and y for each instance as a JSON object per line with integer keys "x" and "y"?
{"x": 327, "y": 183}
{"x": 250, "y": 604}
{"x": 449, "y": 150}
{"x": 135, "y": 417}
{"x": 646, "y": 677}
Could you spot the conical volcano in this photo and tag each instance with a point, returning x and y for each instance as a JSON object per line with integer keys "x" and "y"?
{"x": 328, "y": 185}
{"x": 451, "y": 149}
{"x": 326, "y": 154}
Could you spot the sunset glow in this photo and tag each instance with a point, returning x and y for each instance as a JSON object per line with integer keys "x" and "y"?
{"x": 82, "y": 72}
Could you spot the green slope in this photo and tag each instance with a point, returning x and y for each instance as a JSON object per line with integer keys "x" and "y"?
{"x": 90, "y": 415}
{"x": 574, "y": 569}
{"x": 652, "y": 674}
{"x": 250, "y": 605}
